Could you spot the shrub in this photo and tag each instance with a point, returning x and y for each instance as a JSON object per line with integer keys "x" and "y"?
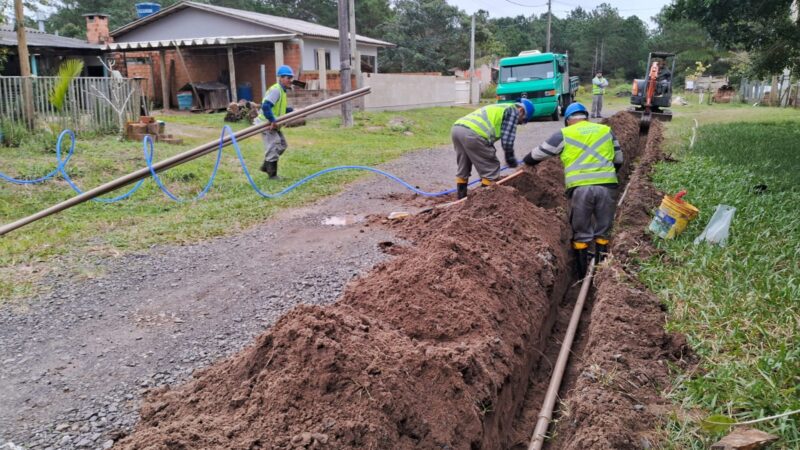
{"x": 13, "y": 133}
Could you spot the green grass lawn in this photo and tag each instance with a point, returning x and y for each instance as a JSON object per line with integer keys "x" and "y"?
{"x": 738, "y": 305}
{"x": 149, "y": 217}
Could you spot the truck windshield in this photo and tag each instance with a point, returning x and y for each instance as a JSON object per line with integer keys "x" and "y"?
{"x": 527, "y": 72}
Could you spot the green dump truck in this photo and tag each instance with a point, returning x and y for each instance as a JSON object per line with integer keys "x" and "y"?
{"x": 542, "y": 78}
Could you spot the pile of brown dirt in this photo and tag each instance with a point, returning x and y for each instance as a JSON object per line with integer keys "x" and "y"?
{"x": 432, "y": 349}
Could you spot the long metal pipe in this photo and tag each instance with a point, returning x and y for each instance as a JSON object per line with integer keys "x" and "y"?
{"x": 179, "y": 159}
{"x": 546, "y": 414}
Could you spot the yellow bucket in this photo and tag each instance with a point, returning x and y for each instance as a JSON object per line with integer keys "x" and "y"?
{"x": 672, "y": 216}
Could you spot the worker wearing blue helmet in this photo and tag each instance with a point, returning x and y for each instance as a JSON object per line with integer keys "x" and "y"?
{"x": 273, "y": 106}
{"x": 474, "y": 136}
{"x": 592, "y": 157}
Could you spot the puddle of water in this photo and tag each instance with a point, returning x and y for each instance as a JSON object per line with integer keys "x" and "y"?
{"x": 339, "y": 221}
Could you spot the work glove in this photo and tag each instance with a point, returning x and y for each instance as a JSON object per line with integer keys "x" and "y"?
{"x": 511, "y": 160}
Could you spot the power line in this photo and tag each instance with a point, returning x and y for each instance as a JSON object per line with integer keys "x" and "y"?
{"x": 526, "y": 6}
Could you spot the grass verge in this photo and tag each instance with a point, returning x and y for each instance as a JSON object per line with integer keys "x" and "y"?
{"x": 738, "y": 305}
{"x": 150, "y": 218}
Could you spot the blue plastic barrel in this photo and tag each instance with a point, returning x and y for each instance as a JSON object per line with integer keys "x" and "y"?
{"x": 145, "y": 9}
{"x": 244, "y": 92}
{"x": 184, "y": 100}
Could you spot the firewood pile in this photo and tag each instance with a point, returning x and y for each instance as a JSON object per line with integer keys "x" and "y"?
{"x": 242, "y": 110}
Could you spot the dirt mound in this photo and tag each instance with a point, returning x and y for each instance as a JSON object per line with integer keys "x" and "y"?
{"x": 432, "y": 349}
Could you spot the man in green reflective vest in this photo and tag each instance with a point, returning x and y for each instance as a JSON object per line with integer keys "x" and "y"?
{"x": 599, "y": 85}
{"x": 591, "y": 156}
{"x": 474, "y": 136}
{"x": 273, "y": 106}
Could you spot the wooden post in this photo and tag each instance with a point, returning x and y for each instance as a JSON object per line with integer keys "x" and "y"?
{"x": 323, "y": 74}
{"x": 164, "y": 87}
{"x": 278, "y": 55}
{"x": 344, "y": 61}
{"x": 356, "y": 56}
{"x": 24, "y": 65}
{"x": 232, "y": 71}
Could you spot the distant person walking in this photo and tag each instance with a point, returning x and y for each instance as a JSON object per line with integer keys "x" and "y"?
{"x": 599, "y": 85}
{"x": 273, "y": 106}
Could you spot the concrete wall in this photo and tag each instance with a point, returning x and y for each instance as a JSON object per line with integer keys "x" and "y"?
{"x": 310, "y": 45}
{"x": 398, "y": 91}
{"x": 193, "y": 23}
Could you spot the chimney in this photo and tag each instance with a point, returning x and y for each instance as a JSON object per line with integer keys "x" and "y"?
{"x": 97, "y": 28}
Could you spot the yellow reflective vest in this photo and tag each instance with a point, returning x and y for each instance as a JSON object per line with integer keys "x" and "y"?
{"x": 486, "y": 122}
{"x": 278, "y": 109}
{"x": 588, "y": 155}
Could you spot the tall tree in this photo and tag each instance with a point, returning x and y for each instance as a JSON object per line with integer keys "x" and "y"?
{"x": 430, "y": 37}
{"x": 765, "y": 28}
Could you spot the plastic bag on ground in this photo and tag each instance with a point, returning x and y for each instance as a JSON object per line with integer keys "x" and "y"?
{"x": 718, "y": 228}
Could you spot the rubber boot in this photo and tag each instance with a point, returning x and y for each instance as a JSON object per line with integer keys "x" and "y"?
{"x": 272, "y": 170}
{"x": 264, "y": 167}
{"x": 600, "y": 250}
{"x": 461, "y": 190}
{"x": 581, "y": 250}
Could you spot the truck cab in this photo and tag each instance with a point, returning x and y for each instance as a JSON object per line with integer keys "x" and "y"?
{"x": 542, "y": 78}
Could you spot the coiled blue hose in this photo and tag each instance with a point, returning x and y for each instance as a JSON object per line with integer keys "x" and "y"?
{"x": 149, "y": 152}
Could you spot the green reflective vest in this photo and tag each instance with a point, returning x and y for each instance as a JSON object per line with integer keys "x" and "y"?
{"x": 588, "y": 155}
{"x": 485, "y": 122}
{"x": 597, "y": 90}
{"x": 278, "y": 109}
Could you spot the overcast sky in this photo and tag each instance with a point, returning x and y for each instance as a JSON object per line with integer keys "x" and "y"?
{"x": 645, "y": 9}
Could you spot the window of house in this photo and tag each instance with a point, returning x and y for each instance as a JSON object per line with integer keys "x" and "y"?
{"x": 327, "y": 59}
{"x": 368, "y": 63}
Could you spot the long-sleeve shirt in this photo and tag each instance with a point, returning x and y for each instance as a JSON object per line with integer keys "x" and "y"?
{"x": 273, "y": 96}
{"x": 554, "y": 145}
{"x": 508, "y": 129}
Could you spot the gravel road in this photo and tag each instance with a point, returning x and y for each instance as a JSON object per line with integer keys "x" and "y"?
{"x": 74, "y": 363}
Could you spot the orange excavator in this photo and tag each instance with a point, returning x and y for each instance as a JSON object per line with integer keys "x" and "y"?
{"x": 651, "y": 95}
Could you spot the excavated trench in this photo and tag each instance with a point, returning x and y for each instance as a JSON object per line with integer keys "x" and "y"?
{"x": 444, "y": 346}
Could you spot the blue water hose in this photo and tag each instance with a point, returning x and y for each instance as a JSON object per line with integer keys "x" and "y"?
{"x": 149, "y": 153}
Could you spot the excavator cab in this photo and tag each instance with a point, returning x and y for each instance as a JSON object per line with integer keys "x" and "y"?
{"x": 651, "y": 95}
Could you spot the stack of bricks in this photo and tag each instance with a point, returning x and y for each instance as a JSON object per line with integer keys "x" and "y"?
{"x": 147, "y": 125}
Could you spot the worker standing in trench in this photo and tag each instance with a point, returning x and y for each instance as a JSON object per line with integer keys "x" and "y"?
{"x": 474, "y": 136}
{"x": 273, "y": 106}
{"x": 592, "y": 157}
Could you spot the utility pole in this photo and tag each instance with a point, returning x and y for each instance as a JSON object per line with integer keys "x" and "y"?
{"x": 549, "y": 20}
{"x": 356, "y": 56}
{"x": 471, "y": 58}
{"x": 344, "y": 63}
{"x": 24, "y": 64}
{"x": 602, "y": 51}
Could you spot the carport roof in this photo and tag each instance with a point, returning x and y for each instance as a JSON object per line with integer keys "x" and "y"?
{"x": 196, "y": 42}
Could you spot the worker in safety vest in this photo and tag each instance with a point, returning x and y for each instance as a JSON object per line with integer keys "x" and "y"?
{"x": 591, "y": 156}
{"x": 474, "y": 136}
{"x": 599, "y": 85}
{"x": 273, "y": 106}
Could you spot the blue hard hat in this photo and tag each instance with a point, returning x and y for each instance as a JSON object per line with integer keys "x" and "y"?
{"x": 285, "y": 71}
{"x": 575, "y": 108}
{"x": 528, "y": 105}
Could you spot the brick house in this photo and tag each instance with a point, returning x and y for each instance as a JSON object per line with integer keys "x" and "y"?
{"x": 197, "y": 42}
{"x": 47, "y": 51}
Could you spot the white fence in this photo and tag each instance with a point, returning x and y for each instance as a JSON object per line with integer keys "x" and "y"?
{"x": 391, "y": 91}
{"x": 83, "y": 109}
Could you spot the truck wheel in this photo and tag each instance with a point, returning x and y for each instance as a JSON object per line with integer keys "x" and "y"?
{"x": 554, "y": 116}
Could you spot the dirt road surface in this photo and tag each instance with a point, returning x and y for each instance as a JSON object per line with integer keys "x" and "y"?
{"x": 74, "y": 363}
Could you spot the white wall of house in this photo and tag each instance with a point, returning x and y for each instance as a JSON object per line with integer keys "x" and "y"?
{"x": 310, "y": 46}
{"x": 397, "y": 91}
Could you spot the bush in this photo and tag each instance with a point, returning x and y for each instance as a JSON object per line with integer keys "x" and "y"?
{"x": 490, "y": 93}
{"x": 13, "y": 133}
